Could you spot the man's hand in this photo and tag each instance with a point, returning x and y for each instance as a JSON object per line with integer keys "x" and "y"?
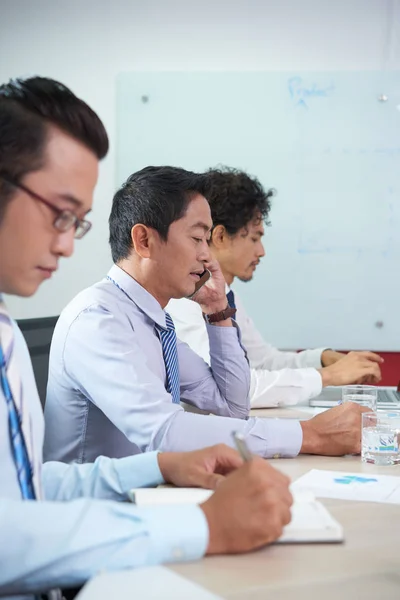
{"x": 249, "y": 509}
{"x": 212, "y": 296}
{"x": 354, "y": 367}
{"x": 201, "y": 468}
{"x": 334, "y": 432}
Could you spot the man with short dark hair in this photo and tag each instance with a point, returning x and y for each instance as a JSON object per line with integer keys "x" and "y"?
{"x": 240, "y": 208}
{"x": 60, "y": 523}
{"x": 117, "y": 372}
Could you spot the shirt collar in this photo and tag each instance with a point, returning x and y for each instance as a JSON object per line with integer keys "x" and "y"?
{"x": 141, "y": 297}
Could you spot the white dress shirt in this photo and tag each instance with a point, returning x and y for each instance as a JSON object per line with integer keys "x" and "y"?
{"x": 106, "y": 392}
{"x": 277, "y": 378}
{"x": 77, "y": 529}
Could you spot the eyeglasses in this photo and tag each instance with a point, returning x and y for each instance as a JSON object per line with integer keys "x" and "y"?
{"x": 65, "y": 219}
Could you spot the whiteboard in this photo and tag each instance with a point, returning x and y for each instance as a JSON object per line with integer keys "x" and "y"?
{"x": 330, "y": 145}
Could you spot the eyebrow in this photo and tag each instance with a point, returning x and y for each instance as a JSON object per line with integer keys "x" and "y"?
{"x": 73, "y": 200}
{"x": 202, "y": 226}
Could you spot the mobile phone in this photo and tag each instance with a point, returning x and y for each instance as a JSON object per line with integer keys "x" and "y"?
{"x": 204, "y": 277}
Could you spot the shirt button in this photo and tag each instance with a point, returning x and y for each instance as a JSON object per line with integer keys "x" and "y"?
{"x": 276, "y": 456}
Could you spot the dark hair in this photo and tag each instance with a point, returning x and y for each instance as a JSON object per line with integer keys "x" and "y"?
{"x": 27, "y": 108}
{"x": 155, "y": 197}
{"x": 236, "y": 198}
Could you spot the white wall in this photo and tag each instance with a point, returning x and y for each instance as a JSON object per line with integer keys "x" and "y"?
{"x": 85, "y": 43}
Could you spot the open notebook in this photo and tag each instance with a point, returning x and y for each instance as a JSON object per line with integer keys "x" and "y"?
{"x": 311, "y": 522}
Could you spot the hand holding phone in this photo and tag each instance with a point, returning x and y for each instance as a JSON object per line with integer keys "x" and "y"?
{"x": 210, "y": 289}
{"x": 204, "y": 277}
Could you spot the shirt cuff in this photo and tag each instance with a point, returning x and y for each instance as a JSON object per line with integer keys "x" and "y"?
{"x": 313, "y": 357}
{"x": 284, "y": 438}
{"x": 177, "y": 533}
{"x": 141, "y": 470}
{"x": 314, "y": 382}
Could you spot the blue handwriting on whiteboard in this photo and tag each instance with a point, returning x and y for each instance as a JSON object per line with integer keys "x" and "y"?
{"x": 300, "y": 92}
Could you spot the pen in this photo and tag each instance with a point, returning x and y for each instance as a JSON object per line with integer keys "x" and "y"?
{"x": 241, "y": 446}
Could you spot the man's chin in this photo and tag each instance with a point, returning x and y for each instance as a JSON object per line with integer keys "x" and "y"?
{"x": 22, "y": 290}
{"x": 187, "y": 293}
{"x": 26, "y": 291}
{"x": 245, "y": 278}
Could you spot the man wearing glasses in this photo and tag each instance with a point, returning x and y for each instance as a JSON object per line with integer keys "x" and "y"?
{"x": 60, "y": 524}
{"x": 65, "y": 219}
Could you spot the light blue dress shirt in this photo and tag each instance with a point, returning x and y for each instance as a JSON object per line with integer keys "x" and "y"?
{"x": 106, "y": 391}
{"x": 51, "y": 543}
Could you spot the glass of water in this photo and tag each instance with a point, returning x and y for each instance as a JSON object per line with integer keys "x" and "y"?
{"x": 380, "y": 439}
{"x": 365, "y": 395}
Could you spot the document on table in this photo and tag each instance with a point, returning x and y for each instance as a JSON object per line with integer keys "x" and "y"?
{"x": 145, "y": 583}
{"x": 350, "y": 486}
{"x": 311, "y": 522}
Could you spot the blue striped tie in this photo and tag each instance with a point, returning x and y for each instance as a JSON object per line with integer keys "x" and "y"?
{"x": 20, "y": 453}
{"x": 170, "y": 353}
{"x": 231, "y": 299}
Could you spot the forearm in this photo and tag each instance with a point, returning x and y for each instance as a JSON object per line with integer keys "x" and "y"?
{"x": 274, "y": 359}
{"x": 106, "y": 478}
{"x": 51, "y": 544}
{"x": 230, "y": 370}
{"x": 284, "y": 387}
{"x": 265, "y": 437}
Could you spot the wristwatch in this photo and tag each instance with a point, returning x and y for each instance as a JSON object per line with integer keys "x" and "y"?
{"x": 222, "y": 315}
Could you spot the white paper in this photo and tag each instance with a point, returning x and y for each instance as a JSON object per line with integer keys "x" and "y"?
{"x": 366, "y": 487}
{"x": 144, "y": 583}
{"x": 169, "y": 495}
{"x": 311, "y": 522}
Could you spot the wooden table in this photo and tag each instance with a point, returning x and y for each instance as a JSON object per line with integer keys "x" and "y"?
{"x": 365, "y": 567}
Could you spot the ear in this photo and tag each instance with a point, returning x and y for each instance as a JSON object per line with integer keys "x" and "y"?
{"x": 219, "y": 237}
{"x": 141, "y": 240}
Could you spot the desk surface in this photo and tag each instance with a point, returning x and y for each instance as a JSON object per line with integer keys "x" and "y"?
{"x": 366, "y": 566}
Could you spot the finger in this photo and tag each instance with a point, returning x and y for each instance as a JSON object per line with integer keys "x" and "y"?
{"x": 365, "y": 409}
{"x": 372, "y": 356}
{"x": 369, "y": 369}
{"x": 279, "y": 479}
{"x": 226, "y": 459}
{"x": 376, "y": 374}
{"x": 269, "y": 474}
{"x": 286, "y": 497}
{"x": 212, "y": 265}
{"x": 286, "y": 515}
{"x": 210, "y": 481}
{"x": 373, "y": 379}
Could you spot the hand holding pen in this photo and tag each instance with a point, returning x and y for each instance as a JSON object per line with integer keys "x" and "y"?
{"x": 249, "y": 508}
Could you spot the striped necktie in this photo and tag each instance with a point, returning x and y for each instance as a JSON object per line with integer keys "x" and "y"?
{"x": 170, "y": 353}
{"x": 18, "y": 419}
{"x": 231, "y": 299}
